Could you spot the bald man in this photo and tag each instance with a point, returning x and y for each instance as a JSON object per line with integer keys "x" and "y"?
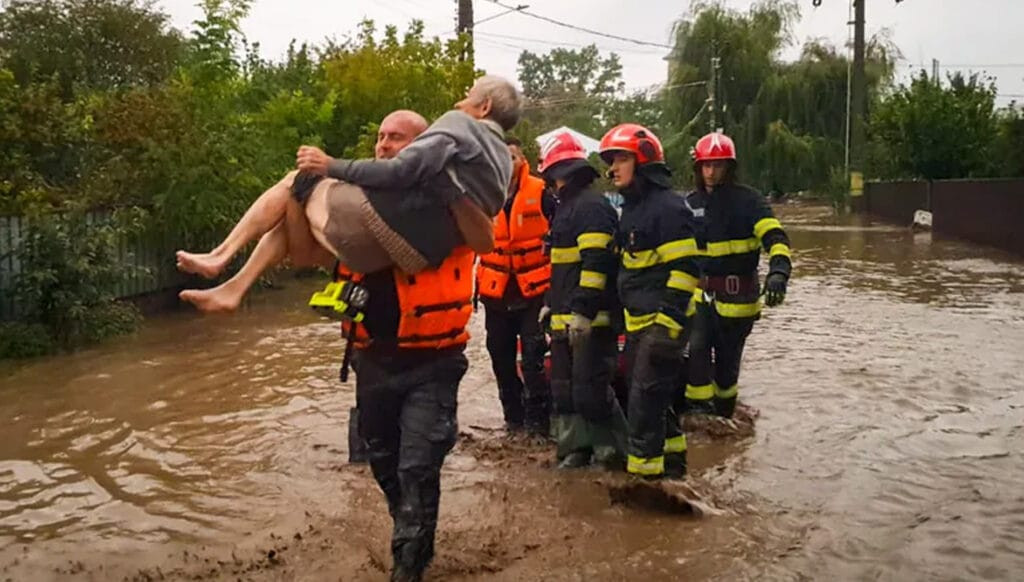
{"x": 397, "y": 130}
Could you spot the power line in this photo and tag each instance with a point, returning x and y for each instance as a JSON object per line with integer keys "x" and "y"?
{"x": 572, "y": 44}
{"x": 580, "y": 28}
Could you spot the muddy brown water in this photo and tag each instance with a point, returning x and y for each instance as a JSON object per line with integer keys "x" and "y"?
{"x": 890, "y": 386}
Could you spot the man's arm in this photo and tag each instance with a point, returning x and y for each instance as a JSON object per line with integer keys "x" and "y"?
{"x": 597, "y": 258}
{"x": 422, "y": 158}
{"x": 772, "y": 237}
{"x": 679, "y": 252}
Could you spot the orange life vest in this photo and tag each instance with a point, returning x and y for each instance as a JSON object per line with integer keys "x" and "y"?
{"x": 518, "y": 245}
{"x": 434, "y": 305}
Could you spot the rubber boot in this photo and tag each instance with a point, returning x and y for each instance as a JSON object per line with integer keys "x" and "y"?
{"x": 699, "y": 407}
{"x": 675, "y": 466}
{"x": 574, "y": 441}
{"x": 402, "y": 574}
{"x": 610, "y": 439}
{"x": 724, "y": 407}
{"x": 356, "y": 445}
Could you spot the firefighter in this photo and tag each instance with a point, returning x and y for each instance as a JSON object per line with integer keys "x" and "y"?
{"x": 511, "y": 282}
{"x": 589, "y": 424}
{"x": 657, "y": 275}
{"x": 734, "y": 224}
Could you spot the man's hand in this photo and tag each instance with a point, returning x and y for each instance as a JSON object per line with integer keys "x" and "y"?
{"x": 579, "y": 328}
{"x": 775, "y": 289}
{"x": 313, "y": 160}
{"x": 544, "y": 316}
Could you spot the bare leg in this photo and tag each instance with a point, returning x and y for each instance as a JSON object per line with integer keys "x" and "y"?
{"x": 266, "y": 212}
{"x": 228, "y": 296}
{"x": 291, "y": 237}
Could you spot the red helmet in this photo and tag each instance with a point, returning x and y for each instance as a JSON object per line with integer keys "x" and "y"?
{"x": 714, "y": 146}
{"x": 635, "y": 139}
{"x": 558, "y": 148}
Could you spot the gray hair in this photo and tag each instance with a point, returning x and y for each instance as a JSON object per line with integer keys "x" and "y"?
{"x": 506, "y": 104}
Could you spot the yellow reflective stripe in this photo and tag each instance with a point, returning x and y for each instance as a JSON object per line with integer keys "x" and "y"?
{"x": 780, "y": 249}
{"x": 645, "y": 466}
{"x": 594, "y": 240}
{"x": 682, "y": 281}
{"x": 674, "y": 327}
{"x": 730, "y": 392}
{"x": 704, "y": 392}
{"x": 691, "y": 307}
{"x": 561, "y": 321}
{"x": 639, "y": 259}
{"x": 675, "y": 445}
{"x": 764, "y": 225}
{"x": 677, "y": 249}
{"x": 732, "y": 247}
{"x": 638, "y": 322}
{"x": 593, "y": 280}
{"x": 738, "y": 309}
{"x": 563, "y": 255}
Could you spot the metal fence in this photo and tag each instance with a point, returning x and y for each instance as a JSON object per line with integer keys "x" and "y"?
{"x": 988, "y": 212}
{"x": 150, "y": 260}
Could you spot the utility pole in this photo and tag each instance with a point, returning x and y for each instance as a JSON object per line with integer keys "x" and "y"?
{"x": 858, "y": 106}
{"x": 465, "y": 17}
{"x": 716, "y": 65}
{"x": 465, "y": 25}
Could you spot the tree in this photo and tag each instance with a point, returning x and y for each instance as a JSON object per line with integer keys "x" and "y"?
{"x": 787, "y": 118}
{"x": 934, "y": 131}
{"x": 372, "y": 77}
{"x": 95, "y": 44}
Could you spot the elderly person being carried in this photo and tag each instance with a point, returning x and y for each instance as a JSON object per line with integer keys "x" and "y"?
{"x": 409, "y": 212}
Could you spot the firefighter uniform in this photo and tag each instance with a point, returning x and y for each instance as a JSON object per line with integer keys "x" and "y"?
{"x": 737, "y": 224}
{"x": 657, "y": 275}
{"x": 589, "y": 423}
{"x": 409, "y": 361}
{"x": 734, "y": 224}
{"x": 511, "y": 283}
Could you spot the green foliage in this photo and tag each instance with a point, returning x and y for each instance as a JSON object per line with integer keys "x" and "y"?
{"x": 95, "y": 44}
{"x": 24, "y": 340}
{"x": 788, "y": 118}
{"x": 1010, "y": 142}
{"x": 936, "y": 131}
{"x": 70, "y": 270}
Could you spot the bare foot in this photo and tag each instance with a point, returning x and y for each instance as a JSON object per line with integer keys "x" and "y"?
{"x": 216, "y": 300}
{"x": 207, "y": 265}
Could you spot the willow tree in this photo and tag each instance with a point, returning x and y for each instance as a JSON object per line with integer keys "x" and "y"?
{"x": 788, "y": 118}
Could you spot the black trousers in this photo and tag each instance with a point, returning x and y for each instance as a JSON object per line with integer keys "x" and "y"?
{"x": 656, "y": 443}
{"x": 581, "y": 377}
{"x": 716, "y": 351}
{"x": 525, "y": 400}
{"x": 407, "y": 416}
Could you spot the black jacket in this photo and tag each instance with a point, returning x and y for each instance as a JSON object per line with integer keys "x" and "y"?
{"x": 658, "y": 270}
{"x": 733, "y": 224}
{"x": 583, "y": 261}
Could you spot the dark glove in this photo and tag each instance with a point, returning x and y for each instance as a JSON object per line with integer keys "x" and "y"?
{"x": 775, "y": 289}
{"x": 663, "y": 345}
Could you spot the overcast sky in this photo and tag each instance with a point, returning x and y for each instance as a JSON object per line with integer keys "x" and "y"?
{"x": 985, "y": 34}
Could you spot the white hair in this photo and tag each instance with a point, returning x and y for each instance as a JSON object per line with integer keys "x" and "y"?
{"x": 506, "y": 103}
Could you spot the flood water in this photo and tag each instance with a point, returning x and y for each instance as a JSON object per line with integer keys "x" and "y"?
{"x": 889, "y": 446}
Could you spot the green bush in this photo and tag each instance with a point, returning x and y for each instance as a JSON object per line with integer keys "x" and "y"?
{"x": 70, "y": 271}
{"x": 24, "y": 340}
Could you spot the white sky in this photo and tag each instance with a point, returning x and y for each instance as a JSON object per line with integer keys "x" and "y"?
{"x": 984, "y": 33}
